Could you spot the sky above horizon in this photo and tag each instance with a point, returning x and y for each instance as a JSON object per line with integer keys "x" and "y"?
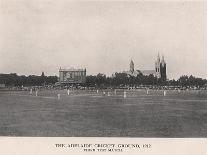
{"x": 102, "y": 37}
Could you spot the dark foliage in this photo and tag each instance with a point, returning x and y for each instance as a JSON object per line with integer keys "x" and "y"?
{"x": 100, "y": 80}
{"x": 122, "y": 79}
{"x": 32, "y": 80}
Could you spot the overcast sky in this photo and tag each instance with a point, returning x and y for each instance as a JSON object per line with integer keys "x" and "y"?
{"x": 38, "y": 36}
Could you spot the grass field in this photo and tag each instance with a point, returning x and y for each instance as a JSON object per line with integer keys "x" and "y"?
{"x": 90, "y": 114}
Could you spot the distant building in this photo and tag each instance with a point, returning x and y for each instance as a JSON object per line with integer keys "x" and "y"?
{"x": 159, "y": 72}
{"x": 160, "y": 68}
{"x": 72, "y": 76}
{"x": 131, "y": 67}
{"x": 43, "y": 74}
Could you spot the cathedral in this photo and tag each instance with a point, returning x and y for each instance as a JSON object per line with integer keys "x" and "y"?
{"x": 160, "y": 68}
{"x": 159, "y": 71}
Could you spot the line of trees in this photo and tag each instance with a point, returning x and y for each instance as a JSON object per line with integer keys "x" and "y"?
{"x": 188, "y": 81}
{"x": 32, "y": 80}
{"x": 123, "y": 79}
{"x": 101, "y": 80}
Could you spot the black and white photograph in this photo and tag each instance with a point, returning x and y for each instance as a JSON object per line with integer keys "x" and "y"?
{"x": 130, "y": 69}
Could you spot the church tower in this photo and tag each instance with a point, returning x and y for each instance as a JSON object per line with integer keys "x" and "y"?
{"x": 131, "y": 66}
{"x": 163, "y": 69}
{"x": 157, "y": 67}
{"x": 160, "y": 68}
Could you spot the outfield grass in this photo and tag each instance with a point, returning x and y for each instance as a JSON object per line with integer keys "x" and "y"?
{"x": 91, "y": 114}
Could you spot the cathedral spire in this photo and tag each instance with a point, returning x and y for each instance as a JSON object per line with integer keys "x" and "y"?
{"x": 131, "y": 66}
{"x": 163, "y": 61}
{"x": 158, "y": 57}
